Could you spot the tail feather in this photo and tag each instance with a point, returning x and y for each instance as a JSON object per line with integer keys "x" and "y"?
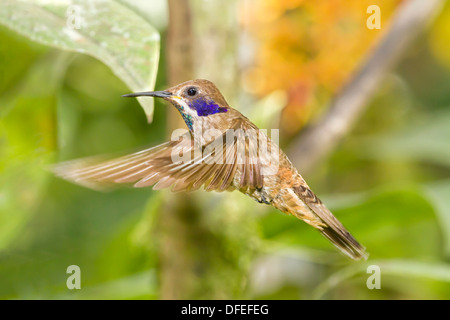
{"x": 346, "y": 243}
{"x": 328, "y": 225}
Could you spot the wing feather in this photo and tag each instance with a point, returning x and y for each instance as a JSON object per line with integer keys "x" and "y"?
{"x": 216, "y": 167}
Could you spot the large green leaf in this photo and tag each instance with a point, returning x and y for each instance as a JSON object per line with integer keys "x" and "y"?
{"x": 106, "y": 30}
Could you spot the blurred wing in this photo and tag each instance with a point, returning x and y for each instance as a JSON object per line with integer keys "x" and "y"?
{"x": 178, "y": 164}
{"x": 97, "y": 174}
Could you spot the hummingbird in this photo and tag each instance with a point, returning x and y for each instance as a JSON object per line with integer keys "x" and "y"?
{"x": 218, "y": 162}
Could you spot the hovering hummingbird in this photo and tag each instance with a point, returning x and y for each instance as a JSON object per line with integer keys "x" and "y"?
{"x": 217, "y": 162}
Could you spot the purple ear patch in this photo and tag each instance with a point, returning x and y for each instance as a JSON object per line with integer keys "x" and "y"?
{"x": 206, "y": 107}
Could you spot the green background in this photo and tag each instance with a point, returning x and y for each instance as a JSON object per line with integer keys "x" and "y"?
{"x": 388, "y": 182}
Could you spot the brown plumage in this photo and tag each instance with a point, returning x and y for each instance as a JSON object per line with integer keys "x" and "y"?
{"x": 229, "y": 159}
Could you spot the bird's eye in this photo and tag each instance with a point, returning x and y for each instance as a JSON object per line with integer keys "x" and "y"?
{"x": 192, "y": 91}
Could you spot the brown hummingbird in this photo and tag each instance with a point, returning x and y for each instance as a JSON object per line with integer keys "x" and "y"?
{"x": 223, "y": 150}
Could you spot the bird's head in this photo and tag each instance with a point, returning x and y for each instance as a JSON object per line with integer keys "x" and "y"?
{"x": 196, "y": 100}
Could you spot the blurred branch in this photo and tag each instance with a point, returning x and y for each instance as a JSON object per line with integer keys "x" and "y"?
{"x": 195, "y": 258}
{"x": 179, "y": 50}
{"x": 179, "y": 42}
{"x": 321, "y": 138}
{"x": 176, "y": 224}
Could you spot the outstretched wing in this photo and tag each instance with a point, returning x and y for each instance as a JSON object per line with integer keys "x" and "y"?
{"x": 100, "y": 174}
{"x": 229, "y": 162}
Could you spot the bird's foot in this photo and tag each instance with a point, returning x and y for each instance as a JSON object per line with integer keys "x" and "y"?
{"x": 264, "y": 200}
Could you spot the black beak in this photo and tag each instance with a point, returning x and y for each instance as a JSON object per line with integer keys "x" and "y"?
{"x": 158, "y": 94}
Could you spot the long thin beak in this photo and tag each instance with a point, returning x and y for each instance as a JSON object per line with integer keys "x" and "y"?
{"x": 158, "y": 94}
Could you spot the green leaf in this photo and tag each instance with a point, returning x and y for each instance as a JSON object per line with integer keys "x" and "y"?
{"x": 399, "y": 268}
{"x": 106, "y": 30}
{"x": 438, "y": 193}
{"x": 388, "y": 222}
{"x": 140, "y": 285}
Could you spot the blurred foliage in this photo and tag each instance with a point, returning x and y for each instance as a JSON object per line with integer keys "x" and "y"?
{"x": 309, "y": 49}
{"x": 52, "y": 106}
{"x": 388, "y": 182}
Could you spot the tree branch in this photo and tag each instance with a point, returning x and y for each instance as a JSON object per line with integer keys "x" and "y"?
{"x": 198, "y": 258}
